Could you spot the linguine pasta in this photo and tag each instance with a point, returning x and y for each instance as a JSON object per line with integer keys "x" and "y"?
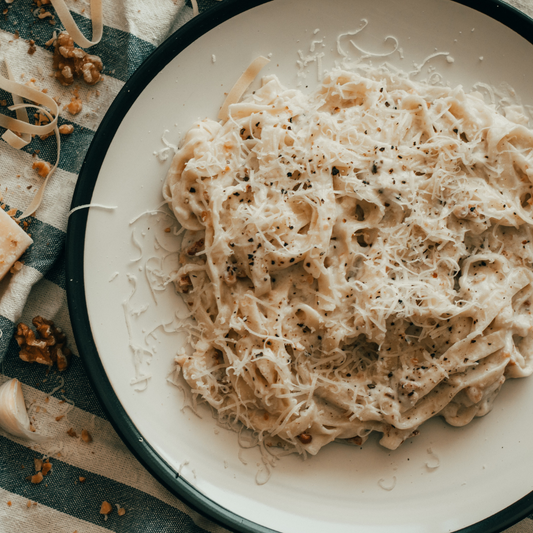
{"x": 357, "y": 260}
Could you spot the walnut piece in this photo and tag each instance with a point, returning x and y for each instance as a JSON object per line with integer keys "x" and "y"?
{"x": 47, "y": 466}
{"x": 66, "y": 129}
{"x": 106, "y": 508}
{"x": 42, "y": 167}
{"x": 37, "y": 478}
{"x": 47, "y": 348}
{"x": 305, "y": 438}
{"x": 74, "y": 107}
{"x": 45, "y": 14}
{"x": 16, "y": 267}
{"x": 196, "y": 248}
{"x": 184, "y": 284}
{"x": 70, "y": 62}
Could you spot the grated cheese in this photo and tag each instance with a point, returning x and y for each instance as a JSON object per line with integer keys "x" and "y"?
{"x": 434, "y": 461}
{"x": 138, "y": 352}
{"x": 387, "y": 486}
{"x": 358, "y": 259}
{"x": 88, "y": 206}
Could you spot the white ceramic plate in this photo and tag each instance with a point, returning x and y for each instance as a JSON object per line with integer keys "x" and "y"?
{"x": 484, "y": 468}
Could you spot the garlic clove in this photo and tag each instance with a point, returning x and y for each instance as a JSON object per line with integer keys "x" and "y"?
{"x": 13, "y": 414}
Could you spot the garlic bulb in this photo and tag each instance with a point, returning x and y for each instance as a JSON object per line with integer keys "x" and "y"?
{"x": 13, "y": 415}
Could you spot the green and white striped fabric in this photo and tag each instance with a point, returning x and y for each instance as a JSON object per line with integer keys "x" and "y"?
{"x": 133, "y": 29}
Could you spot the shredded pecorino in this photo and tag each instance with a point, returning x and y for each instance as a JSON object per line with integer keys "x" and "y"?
{"x": 358, "y": 259}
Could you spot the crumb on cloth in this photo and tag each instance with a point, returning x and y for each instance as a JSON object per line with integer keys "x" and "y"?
{"x": 42, "y": 167}
{"x": 106, "y": 508}
{"x": 47, "y": 466}
{"x": 37, "y": 478}
{"x": 66, "y": 129}
{"x": 74, "y": 106}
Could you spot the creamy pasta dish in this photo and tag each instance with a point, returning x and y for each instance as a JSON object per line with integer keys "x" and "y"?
{"x": 357, "y": 259}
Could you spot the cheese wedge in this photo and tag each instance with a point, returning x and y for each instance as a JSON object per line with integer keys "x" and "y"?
{"x": 13, "y": 242}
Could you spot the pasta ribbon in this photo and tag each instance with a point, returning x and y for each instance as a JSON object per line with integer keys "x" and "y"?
{"x": 72, "y": 28}
{"x": 247, "y": 77}
{"x": 21, "y": 125}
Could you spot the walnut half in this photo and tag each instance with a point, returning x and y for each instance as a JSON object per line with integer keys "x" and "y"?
{"x": 47, "y": 347}
{"x": 70, "y": 62}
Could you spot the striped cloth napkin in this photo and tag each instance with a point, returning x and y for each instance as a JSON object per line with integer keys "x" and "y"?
{"x": 83, "y": 474}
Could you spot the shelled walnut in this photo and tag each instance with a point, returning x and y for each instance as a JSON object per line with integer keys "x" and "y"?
{"x": 42, "y": 167}
{"x": 106, "y": 508}
{"x": 47, "y": 348}
{"x": 70, "y": 62}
